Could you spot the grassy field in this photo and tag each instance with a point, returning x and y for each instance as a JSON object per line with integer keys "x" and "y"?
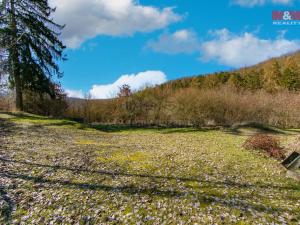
{"x": 62, "y": 172}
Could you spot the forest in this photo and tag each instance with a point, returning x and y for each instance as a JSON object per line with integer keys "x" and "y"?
{"x": 267, "y": 93}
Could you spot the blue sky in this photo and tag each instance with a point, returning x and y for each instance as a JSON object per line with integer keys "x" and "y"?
{"x": 151, "y": 41}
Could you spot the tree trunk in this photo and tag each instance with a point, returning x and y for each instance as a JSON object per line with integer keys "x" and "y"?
{"x": 19, "y": 92}
{"x": 15, "y": 60}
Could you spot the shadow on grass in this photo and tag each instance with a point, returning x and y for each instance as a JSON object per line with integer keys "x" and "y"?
{"x": 6, "y": 209}
{"x": 5, "y": 127}
{"x": 7, "y": 205}
{"x": 163, "y": 130}
{"x": 115, "y": 174}
{"x": 246, "y": 129}
{"x": 242, "y": 129}
{"x": 41, "y": 121}
{"x": 206, "y": 198}
{"x": 108, "y": 128}
{"x": 26, "y": 116}
{"x": 130, "y": 189}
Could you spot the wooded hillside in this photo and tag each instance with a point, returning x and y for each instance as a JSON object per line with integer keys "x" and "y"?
{"x": 267, "y": 93}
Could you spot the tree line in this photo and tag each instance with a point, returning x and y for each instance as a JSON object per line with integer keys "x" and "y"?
{"x": 273, "y": 75}
{"x": 268, "y": 94}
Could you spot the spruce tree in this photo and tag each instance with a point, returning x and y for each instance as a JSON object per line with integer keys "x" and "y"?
{"x": 291, "y": 75}
{"x": 30, "y": 38}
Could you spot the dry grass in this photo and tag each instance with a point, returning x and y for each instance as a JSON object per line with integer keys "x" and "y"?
{"x": 266, "y": 143}
{"x": 55, "y": 171}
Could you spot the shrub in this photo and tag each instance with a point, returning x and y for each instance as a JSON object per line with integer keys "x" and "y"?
{"x": 43, "y": 104}
{"x": 222, "y": 106}
{"x": 266, "y": 143}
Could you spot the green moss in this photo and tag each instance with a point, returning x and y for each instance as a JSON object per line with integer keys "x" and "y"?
{"x": 127, "y": 210}
{"x": 137, "y": 160}
{"x": 85, "y": 142}
{"x": 20, "y": 212}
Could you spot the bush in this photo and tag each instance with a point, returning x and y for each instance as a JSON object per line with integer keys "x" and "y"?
{"x": 43, "y": 104}
{"x": 266, "y": 143}
{"x": 223, "y": 106}
{"x": 226, "y": 106}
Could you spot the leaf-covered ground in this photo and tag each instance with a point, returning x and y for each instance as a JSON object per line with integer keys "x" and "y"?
{"x": 61, "y": 172}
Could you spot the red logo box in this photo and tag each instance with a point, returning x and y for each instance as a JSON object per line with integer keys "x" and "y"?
{"x": 286, "y": 15}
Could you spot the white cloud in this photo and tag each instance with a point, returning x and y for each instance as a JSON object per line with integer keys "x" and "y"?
{"x": 135, "y": 81}
{"x": 181, "y": 41}
{"x": 244, "y": 50}
{"x": 251, "y": 3}
{"x": 74, "y": 93}
{"x": 86, "y": 19}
